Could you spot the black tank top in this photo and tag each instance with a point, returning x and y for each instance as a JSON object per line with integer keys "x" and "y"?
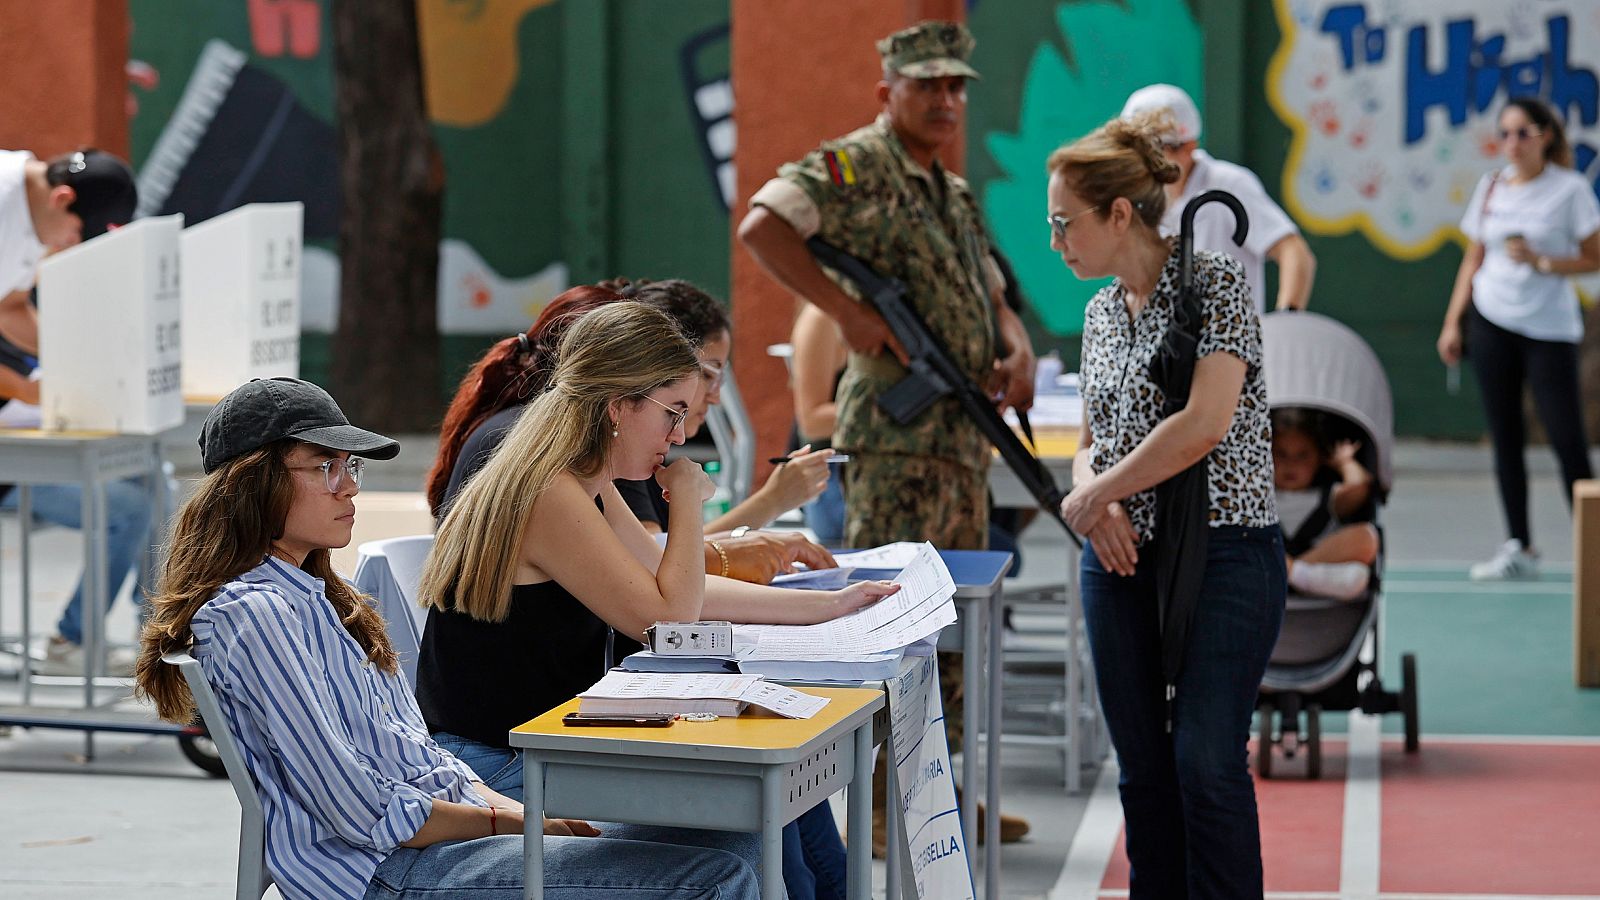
{"x": 481, "y": 679}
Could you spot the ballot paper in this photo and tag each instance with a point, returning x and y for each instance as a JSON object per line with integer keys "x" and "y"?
{"x": 635, "y": 693}
{"x": 889, "y": 556}
{"x": 850, "y": 669}
{"x": 921, "y": 608}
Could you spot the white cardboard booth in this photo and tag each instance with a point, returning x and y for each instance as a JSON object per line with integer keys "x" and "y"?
{"x": 109, "y": 333}
{"x": 241, "y": 297}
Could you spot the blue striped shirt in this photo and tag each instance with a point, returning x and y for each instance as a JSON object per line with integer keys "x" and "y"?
{"x": 342, "y": 761}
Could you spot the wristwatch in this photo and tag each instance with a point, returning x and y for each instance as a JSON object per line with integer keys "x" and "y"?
{"x": 740, "y": 532}
{"x": 1543, "y": 264}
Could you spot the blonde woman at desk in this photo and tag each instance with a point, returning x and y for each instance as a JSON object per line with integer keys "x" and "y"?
{"x": 538, "y": 555}
{"x": 359, "y": 803}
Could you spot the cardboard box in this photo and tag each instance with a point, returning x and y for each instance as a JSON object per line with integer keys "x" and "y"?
{"x": 1586, "y": 583}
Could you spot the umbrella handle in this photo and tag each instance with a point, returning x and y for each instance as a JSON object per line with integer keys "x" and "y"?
{"x": 1241, "y": 227}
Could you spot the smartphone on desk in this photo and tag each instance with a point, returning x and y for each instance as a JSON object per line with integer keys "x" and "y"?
{"x": 591, "y": 720}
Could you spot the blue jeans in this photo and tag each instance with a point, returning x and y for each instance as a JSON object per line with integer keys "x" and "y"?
{"x": 574, "y": 869}
{"x": 127, "y": 532}
{"x": 1187, "y": 797}
{"x": 813, "y": 853}
{"x": 825, "y": 514}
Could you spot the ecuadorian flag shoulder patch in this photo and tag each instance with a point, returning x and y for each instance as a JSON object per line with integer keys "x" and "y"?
{"x": 839, "y": 168}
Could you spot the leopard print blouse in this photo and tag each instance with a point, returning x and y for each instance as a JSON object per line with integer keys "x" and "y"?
{"x": 1122, "y": 405}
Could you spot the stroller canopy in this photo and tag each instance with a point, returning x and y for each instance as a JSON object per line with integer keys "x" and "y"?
{"x": 1315, "y": 362}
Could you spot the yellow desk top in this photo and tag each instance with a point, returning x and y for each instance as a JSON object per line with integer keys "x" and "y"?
{"x": 755, "y": 730}
{"x": 1052, "y": 443}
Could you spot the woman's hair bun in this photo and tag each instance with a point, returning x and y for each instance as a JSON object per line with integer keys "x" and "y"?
{"x": 1144, "y": 135}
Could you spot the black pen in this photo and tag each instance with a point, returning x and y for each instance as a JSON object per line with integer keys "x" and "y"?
{"x": 833, "y": 460}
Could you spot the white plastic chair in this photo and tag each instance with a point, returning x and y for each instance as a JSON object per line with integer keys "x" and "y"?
{"x": 389, "y": 571}
{"x": 253, "y": 879}
{"x": 735, "y": 438}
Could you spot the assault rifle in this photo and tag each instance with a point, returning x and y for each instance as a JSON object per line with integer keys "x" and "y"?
{"x": 932, "y": 375}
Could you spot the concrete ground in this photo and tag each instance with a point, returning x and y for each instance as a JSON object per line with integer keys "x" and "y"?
{"x": 139, "y": 821}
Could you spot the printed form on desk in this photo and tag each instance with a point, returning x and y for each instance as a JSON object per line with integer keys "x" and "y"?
{"x": 643, "y": 692}
{"x": 921, "y": 608}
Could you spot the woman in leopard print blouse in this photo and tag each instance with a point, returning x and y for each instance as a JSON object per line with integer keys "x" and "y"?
{"x": 1187, "y": 796}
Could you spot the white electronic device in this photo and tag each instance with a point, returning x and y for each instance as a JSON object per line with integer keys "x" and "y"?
{"x": 691, "y": 638}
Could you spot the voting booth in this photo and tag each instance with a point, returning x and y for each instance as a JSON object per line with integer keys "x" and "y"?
{"x": 241, "y": 292}
{"x": 109, "y": 334}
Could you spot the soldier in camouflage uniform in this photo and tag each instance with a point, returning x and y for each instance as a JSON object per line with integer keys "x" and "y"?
{"x": 880, "y": 194}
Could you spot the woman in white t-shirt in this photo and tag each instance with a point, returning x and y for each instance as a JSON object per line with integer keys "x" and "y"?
{"x": 1531, "y": 224}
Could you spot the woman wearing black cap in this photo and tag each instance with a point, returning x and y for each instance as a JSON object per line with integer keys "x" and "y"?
{"x": 359, "y": 802}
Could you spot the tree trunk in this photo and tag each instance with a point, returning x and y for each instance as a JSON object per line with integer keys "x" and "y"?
{"x": 386, "y": 351}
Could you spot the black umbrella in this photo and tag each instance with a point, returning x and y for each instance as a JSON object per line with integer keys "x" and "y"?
{"x": 1182, "y": 501}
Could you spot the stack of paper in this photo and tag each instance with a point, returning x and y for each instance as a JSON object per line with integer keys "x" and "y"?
{"x": 866, "y": 645}
{"x": 636, "y": 694}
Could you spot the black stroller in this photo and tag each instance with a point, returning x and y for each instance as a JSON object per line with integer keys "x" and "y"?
{"x": 1328, "y": 651}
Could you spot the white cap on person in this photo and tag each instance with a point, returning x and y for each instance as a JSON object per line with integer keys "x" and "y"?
{"x": 1171, "y": 98}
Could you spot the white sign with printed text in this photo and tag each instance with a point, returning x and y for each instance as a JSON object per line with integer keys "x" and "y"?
{"x": 935, "y": 851}
{"x": 110, "y": 339}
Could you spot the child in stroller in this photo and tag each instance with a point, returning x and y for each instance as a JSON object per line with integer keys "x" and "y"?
{"x": 1323, "y": 492}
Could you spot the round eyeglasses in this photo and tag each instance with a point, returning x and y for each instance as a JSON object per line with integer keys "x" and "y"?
{"x": 1058, "y": 224}
{"x": 677, "y": 415}
{"x": 715, "y": 374}
{"x": 334, "y": 472}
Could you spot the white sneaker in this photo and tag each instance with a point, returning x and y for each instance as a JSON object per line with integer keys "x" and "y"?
{"x": 1511, "y": 562}
{"x": 1341, "y": 581}
{"x": 62, "y": 657}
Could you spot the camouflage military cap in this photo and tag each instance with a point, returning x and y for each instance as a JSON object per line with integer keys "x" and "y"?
{"x": 929, "y": 50}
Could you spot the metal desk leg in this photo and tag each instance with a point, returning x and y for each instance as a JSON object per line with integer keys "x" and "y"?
{"x": 1074, "y": 718}
{"x": 532, "y": 828}
{"x": 858, "y": 853}
{"x": 971, "y": 656}
{"x": 994, "y": 659}
{"x": 25, "y": 519}
{"x": 93, "y": 610}
{"x": 893, "y": 820}
{"x": 772, "y": 836}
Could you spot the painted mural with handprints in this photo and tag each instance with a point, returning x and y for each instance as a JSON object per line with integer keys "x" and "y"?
{"x": 1393, "y": 105}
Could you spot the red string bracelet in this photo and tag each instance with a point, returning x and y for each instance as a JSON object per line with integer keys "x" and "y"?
{"x": 494, "y": 815}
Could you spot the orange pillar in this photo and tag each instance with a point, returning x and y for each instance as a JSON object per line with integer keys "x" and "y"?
{"x": 803, "y": 72}
{"x": 64, "y": 64}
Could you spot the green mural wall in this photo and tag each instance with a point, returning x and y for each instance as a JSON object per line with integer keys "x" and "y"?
{"x": 1053, "y": 70}
{"x": 1095, "y": 54}
{"x": 596, "y": 149}
{"x": 576, "y": 135}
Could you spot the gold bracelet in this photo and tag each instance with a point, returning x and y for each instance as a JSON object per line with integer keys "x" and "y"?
{"x": 722, "y": 554}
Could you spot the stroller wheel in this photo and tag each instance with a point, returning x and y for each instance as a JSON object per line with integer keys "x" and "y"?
{"x": 1264, "y": 742}
{"x": 1313, "y": 741}
{"x": 1408, "y": 701}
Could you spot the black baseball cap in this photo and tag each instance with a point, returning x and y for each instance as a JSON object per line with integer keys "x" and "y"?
{"x": 264, "y": 410}
{"x": 106, "y": 193}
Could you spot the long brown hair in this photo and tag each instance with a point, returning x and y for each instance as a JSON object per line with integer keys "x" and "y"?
{"x": 618, "y": 352}
{"x": 223, "y": 530}
{"x": 511, "y": 372}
